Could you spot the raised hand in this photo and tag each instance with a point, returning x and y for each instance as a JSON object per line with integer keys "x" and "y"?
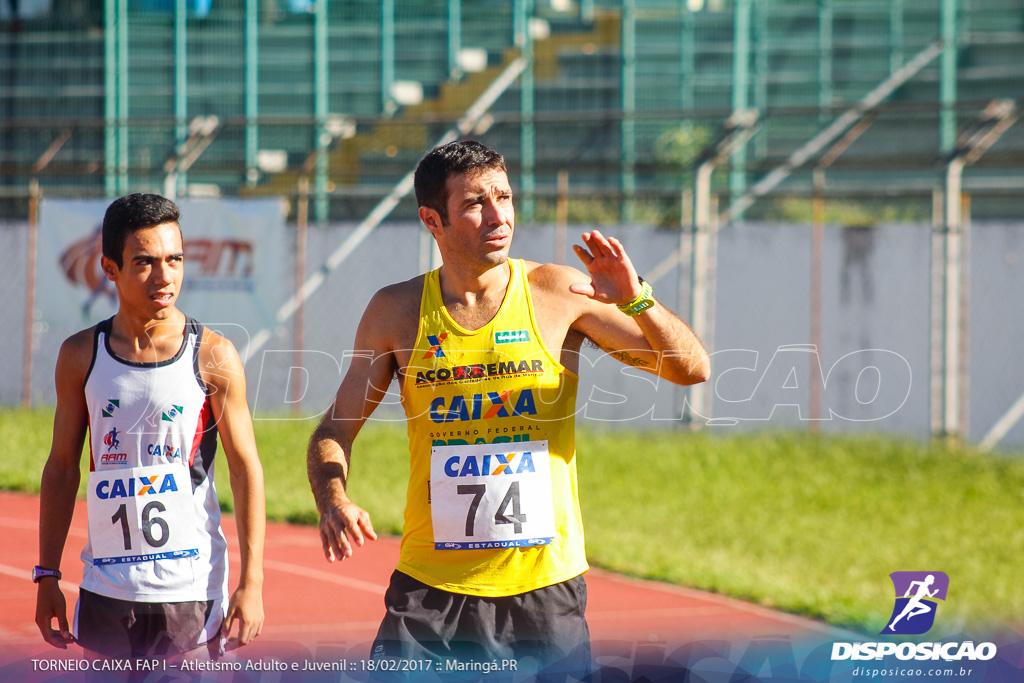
{"x": 613, "y": 279}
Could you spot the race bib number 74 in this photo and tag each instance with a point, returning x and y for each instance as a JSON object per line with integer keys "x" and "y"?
{"x": 139, "y": 514}
{"x": 491, "y": 496}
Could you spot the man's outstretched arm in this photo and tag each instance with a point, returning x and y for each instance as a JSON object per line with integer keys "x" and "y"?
{"x": 343, "y": 524}
{"x": 234, "y": 426}
{"x": 59, "y": 485}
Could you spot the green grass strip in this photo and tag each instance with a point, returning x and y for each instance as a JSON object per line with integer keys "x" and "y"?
{"x": 803, "y": 524}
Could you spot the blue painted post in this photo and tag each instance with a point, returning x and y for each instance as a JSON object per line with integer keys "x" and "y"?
{"x": 528, "y": 132}
{"x": 387, "y": 54}
{"x": 587, "y": 11}
{"x": 180, "y": 81}
{"x": 740, "y": 91}
{"x": 321, "y": 102}
{"x": 825, "y": 47}
{"x": 947, "y": 84}
{"x": 760, "y": 142}
{"x": 252, "y": 92}
{"x": 122, "y": 97}
{"x": 895, "y": 35}
{"x": 454, "y": 38}
{"x": 687, "y": 61}
{"x": 628, "y": 181}
{"x": 110, "y": 97}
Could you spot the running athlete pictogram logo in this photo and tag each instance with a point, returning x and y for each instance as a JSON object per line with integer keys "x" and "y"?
{"x": 435, "y": 345}
{"x": 916, "y": 595}
{"x": 110, "y": 440}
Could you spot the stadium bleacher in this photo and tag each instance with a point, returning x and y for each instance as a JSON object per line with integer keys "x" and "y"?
{"x": 605, "y": 89}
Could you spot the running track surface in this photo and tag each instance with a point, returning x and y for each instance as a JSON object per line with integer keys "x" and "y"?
{"x": 315, "y": 609}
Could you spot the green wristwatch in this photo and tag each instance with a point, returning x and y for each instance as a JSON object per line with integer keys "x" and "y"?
{"x": 643, "y": 301}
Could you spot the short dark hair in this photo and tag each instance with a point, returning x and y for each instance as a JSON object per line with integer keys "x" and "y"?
{"x": 130, "y": 213}
{"x": 455, "y": 158}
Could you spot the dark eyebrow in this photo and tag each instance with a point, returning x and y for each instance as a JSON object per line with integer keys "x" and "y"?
{"x": 484, "y": 195}
{"x": 150, "y": 257}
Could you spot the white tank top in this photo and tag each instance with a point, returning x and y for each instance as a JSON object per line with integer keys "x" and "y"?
{"x": 154, "y": 519}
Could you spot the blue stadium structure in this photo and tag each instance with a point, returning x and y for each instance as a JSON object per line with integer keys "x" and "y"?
{"x": 245, "y": 97}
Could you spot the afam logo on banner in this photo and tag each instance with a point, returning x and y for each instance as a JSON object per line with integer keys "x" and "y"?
{"x": 914, "y": 614}
{"x": 222, "y": 264}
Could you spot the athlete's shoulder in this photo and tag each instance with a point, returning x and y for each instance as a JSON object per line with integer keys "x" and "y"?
{"x": 216, "y": 351}
{"x": 392, "y": 314}
{"x": 552, "y": 277}
{"x": 400, "y": 293}
{"x": 77, "y": 350}
{"x": 83, "y": 339}
{"x": 74, "y": 360}
{"x": 396, "y": 304}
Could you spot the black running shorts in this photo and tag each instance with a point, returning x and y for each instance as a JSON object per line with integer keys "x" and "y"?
{"x": 126, "y": 629}
{"x": 540, "y": 630}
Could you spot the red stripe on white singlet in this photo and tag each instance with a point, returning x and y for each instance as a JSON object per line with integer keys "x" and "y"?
{"x": 200, "y": 428}
{"x": 92, "y": 460}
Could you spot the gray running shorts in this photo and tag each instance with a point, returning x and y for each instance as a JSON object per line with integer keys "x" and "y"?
{"x": 126, "y": 629}
{"x": 542, "y": 630}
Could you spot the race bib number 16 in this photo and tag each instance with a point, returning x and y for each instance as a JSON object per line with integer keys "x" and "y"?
{"x": 141, "y": 513}
{"x": 491, "y": 496}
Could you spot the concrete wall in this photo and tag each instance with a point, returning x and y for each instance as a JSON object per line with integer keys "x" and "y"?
{"x": 874, "y": 353}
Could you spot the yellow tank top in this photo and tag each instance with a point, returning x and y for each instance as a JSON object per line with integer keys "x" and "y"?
{"x": 492, "y": 507}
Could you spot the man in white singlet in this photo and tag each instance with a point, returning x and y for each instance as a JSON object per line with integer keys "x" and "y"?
{"x": 152, "y": 390}
{"x": 486, "y": 352}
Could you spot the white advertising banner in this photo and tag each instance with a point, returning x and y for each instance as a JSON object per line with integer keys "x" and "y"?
{"x": 237, "y": 261}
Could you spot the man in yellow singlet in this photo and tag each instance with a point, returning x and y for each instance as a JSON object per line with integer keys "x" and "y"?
{"x": 486, "y": 351}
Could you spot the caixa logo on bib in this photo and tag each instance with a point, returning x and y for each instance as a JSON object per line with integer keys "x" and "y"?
{"x": 118, "y": 487}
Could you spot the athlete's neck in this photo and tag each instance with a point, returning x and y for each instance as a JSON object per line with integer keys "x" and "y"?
{"x": 470, "y": 289}
{"x": 147, "y": 340}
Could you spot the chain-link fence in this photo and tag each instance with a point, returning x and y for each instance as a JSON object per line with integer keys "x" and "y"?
{"x": 14, "y": 241}
{"x": 870, "y": 362}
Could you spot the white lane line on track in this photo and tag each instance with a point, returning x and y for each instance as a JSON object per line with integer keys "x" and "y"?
{"x": 308, "y": 573}
{"x": 20, "y": 573}
{"x": 33, "y": 525}
{"x": 655, "y": 613}
{"x": 741, "y": 606}
{"x": 732, "y": 603}
{"x": 332, "y": 628}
